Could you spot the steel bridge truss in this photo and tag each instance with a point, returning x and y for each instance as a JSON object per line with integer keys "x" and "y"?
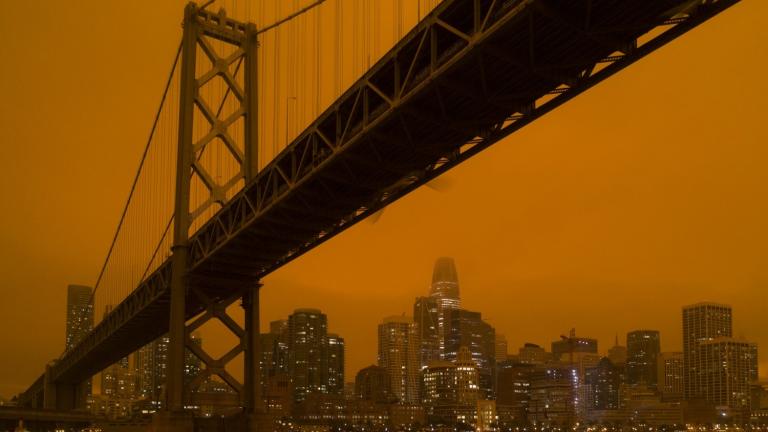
{"x": 471, "y": 73}
{"x": 226, "y": 64}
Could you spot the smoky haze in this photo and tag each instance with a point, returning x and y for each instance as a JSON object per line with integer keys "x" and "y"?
{"x": 609, "y": 214}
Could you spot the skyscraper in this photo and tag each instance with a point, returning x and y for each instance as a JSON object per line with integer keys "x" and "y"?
{"x": 79, "y": 324}
{"x": 308, "y": 361}
{"x": 192, "y": 364}
{"x": 118, "y": 389}
{"x": 335, "y": 353}
{"x": 513, "y": 392}
{"x": 467, "y": 329}
{"x": 729, "y": 366}
{"x": 399, "y": 354}
{"x": 79, "y": 314}
{"x": 159, "y": 369}
{"x": 445, "y": 290}
{"x": 670, "y": 376}
{"x": 643, "y": 347}
{"x": 150, "y": 369}
{"x": 701, "y": 322}
{"x": 603, "y": 382}
{"x": 110, "y": 375}
{"x": 274, "y": 354}
{"x": 445, "y": 283}
{"x": 143, "y": 364}
{"x": 425, "y": 316}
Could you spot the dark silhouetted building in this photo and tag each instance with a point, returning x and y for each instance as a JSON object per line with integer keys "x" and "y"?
{"x": 554, "y": 395}
{"x": 274, "y": 354}
{"x": 729, "y": 368}
{"x": 373, "y": 384}
{"x": 467, "y": 329}
{"x": 571, "y": 345}
{"x": 513, "y": 392}
{"x": 603, "y": 383}
{"x": 501, "y": 348}
{"x": 143, "y": 365}
{"x": 617, "y": 354}
{"x": 425, "y": 316}
{"x": 308, "y": 360}
{"x": 670, "y": 376}
{"x": 335, "y": 354}
{"x": 531, "y": 353}
{"x": 79, "y": 324}
{"x": 79, "y": 314}
{"x": 643, "y": 347}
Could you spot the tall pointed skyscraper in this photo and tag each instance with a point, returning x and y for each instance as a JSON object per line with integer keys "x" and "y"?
{"x": 445, "y": 290}
{"x": 445, "y": 283}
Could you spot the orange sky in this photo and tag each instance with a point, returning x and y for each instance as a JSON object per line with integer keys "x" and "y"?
{"x": 644, "y": 194}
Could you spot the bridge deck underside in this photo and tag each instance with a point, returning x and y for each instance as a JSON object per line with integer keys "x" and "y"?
{"x": 476, "y": 86}
{"x": 455, "y": 80}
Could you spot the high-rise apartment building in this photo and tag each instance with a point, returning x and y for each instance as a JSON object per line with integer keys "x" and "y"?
{"x": 728, "y": 368}
{"x": 466, "y": 329}
{"x": 513, "y": 392}
{"x": 643, "y": 347}
{"x": 79, "y": 324}
{"x": 110, "y": 375}
{"x": 150, "y": 369}
{"x": 399, "y": 352}
{"x": 701, "y": 322}
{"x": 670, "y": 374}
{"x": 143, "y": 365}
{"x": 602, "y": 386}
{"x": 308, "y": 361}
{"x": 79, "y": 314}
{"x": 274, "y": 354}
{"x": 335, "y": 353}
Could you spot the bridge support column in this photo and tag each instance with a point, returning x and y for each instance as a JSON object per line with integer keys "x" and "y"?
{"x": 173, "y": 417}
{"x": 63, "y": 397}
{"x": 253, "y": 403}
{"x": 49, "y": 390}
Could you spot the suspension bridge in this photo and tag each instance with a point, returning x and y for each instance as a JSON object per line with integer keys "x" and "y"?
{"x": 272, "y": 137}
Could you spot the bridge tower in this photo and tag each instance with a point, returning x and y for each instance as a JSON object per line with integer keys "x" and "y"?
{"x": 200, "y": 126}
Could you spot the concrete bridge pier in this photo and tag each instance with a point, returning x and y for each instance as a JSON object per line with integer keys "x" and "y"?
{"x": 63, "y": 396}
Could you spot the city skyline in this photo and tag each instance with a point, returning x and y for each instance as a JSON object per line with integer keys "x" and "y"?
{"x": 670, "y": 214}
{"x": 603, "y": 349}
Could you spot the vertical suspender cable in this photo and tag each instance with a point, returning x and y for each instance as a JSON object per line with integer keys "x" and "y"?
{"x": 136, "y": 177}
